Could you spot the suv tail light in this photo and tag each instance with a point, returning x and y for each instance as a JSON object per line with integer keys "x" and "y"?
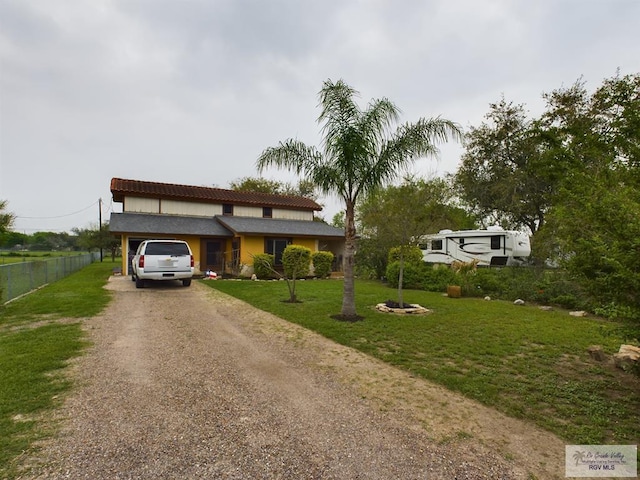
{"x": 141, "y": 261}
{"x": 192, "y": 260}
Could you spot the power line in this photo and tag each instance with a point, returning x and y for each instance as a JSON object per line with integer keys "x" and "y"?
{"x": 60, "y": 216}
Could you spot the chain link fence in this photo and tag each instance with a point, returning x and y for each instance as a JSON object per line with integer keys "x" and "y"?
{"x": 19, "y": 278}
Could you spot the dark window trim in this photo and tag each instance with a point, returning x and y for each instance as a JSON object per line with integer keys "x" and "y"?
{"x": 269, "y": 247}
{"x": 267, "y": 212}
{"x": 227, "y": 209}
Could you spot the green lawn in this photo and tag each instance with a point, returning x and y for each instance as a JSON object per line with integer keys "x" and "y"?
{"x": 526, "y": 362}
{"x": 34, "y": 351}
{"x": 17, "y": 257}
{"x": 523, "y": 361}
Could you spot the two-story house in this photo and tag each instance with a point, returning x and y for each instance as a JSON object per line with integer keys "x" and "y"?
{"x": 224, "y": 228}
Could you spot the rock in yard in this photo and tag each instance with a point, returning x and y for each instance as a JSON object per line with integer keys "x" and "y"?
{"x": 627, "y": 357}
{"x": 580, "y": 313}
{"x": 596, "y": 352}
{"x": 519, "y": 301}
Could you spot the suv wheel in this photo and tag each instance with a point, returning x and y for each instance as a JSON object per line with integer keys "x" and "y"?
{"x": 139, "y": 283}
{"x": 186, "y": 282}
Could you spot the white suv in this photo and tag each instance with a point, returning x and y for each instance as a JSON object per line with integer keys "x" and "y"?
{"x": 162, "y": 260}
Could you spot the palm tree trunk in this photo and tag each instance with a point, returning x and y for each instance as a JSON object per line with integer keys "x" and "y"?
{"x": 400, "y": 280}
{"x": 348, "y": 294}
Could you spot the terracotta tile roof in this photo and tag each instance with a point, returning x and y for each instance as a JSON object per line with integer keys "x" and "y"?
{"x": 121, "y": 187}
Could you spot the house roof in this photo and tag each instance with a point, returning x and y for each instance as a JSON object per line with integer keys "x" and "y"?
{"x": 152, "y": 224}
{"x": 279, "y": 227}
{"x": 218, "y": 226}
{"x": 121, "y": 187}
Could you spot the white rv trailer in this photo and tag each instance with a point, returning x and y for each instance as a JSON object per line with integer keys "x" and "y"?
{"x": 493, "y": 246}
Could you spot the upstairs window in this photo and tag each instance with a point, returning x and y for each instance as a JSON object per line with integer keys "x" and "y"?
{"x": 267, "y": 212}
{"x": 227, "y": 209}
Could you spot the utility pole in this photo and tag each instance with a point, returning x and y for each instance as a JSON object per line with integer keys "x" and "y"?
{"x": 100, "y": 226}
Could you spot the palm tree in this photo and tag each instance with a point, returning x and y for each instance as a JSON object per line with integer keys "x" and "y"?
{"x": 360, "y": 153}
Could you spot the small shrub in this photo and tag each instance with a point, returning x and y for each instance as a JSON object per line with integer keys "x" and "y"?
{"x": 263, "y": 265}
{"x": 322, "y": 263}
{"x": 412, "y": 277}
{"x": 296, "y": 260}
{"x": 484, "y": 281}
{"x": 436, "y": 278}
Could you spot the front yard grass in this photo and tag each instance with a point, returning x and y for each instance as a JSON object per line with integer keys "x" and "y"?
{"x": 523, "y": 361}
{"x": 35, "y": 347}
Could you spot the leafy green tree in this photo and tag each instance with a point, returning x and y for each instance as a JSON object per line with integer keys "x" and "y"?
{"x": 11, "y": 239}
{"x": 338, "y": 220}
{"x": 401, "y": 215}
{"x": 256, "y": 184}
{"x": 360, "y": 152}
{"x": 98, "y": 239}
{"x": 6, "y": 218}
{"x": 304, "y": 188}
{"x": 296, "y": 260}
{"x": 594, "y": 225}
{"x": 52, "y": 241}
{"x": 505, "y": 173}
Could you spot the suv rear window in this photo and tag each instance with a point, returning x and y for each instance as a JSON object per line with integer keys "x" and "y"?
{"x": 168, "y": 248}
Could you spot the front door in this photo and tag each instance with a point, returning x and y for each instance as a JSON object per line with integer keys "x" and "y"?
{"x": 212, "y": 255}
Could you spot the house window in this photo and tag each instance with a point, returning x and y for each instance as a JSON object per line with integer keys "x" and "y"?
{"x": 267, "y": 212}
{"x": 275, "y": 247}
{"x": 436, "y": 244}
{"x": 495, "y": 242}
{"x": 227, "y": 209}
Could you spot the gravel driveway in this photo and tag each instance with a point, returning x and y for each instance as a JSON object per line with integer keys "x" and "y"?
{"x": 186, "y": 383}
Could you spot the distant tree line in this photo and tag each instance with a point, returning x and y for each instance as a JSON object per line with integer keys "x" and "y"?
{"x": 80, "y": 240}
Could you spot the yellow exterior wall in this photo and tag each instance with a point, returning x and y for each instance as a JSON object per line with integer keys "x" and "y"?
{"x": 250, "y": 246}
{"x": 310, "y": 243}
{"x": 254, "y": 245}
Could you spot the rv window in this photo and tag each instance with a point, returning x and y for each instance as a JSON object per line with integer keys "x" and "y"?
{"x": 462, "y": 241}
{"x": 495, "y": 242}
{"x": 436, "y": 244}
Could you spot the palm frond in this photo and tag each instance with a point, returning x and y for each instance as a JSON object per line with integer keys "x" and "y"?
{"x": 291, "y": 154}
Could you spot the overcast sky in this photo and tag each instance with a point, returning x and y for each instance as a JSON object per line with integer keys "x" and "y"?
{"x": 192, "y": 91}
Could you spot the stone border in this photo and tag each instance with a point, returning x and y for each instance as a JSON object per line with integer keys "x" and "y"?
{"x": 415, "y": 309}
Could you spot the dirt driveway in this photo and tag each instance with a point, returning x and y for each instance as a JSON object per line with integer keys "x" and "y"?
{"x": 185, "y": 383}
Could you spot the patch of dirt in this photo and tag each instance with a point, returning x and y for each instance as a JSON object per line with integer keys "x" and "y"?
{"x": 191, "y": 383}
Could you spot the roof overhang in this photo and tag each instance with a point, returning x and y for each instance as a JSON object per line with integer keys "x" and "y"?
{"x": 279, "y": 227}
{"x": 152, "y": 224}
